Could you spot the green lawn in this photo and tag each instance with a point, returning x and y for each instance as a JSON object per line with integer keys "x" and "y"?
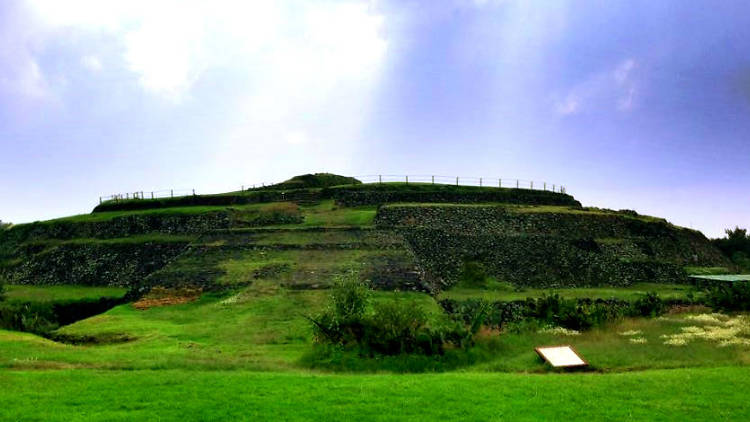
{"x": 665, "y": 395}
{"x": 665, "y": 291}
{"x": 60, "y": 293}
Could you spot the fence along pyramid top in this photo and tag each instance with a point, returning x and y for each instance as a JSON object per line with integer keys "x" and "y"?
{"x": 367, "y": 179}
{"x": 496, "y": 182}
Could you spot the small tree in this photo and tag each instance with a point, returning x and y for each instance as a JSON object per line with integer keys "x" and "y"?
{"x": 736, "y": 246}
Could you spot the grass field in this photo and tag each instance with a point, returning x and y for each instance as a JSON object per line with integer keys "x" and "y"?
{"x": 665, "y": 395}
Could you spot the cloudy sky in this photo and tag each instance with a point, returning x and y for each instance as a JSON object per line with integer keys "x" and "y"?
{"x": 631, "y": 104}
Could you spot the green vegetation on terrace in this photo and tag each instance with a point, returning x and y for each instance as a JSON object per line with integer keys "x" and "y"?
{"x": 183, "y": 210}
{"x": 302, "y": 268}
{"x": 635, "y": 291}
{"x": 323, "y": 214}
{"x": 534, "y": 209}
{"x": 23, "y": 293}
{"x": 327, "y": 214}
{"x": 135, "y": 239}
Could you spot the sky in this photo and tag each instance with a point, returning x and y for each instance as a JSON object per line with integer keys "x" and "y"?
{"x": 633, "y": 104}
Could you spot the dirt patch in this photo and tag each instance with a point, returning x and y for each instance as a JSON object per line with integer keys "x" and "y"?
{"x": 683, "y": 309}
{"x": 104, "y": 338}
{"x": 160, "y": 296}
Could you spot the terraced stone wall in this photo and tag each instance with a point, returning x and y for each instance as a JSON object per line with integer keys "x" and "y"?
{"x": 547, "y": 249}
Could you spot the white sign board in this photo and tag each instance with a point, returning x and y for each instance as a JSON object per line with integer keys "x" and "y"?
{"x": 560, "y": 356}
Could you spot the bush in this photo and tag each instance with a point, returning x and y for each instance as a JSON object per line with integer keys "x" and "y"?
{"x": 648, "y": 306}
{"x": 387, "y": 328}
{"x": 729, "y": 296}
{"x": 576, "y": 314}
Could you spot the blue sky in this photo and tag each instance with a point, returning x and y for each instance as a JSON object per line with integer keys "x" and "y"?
{"x": 631, "y": 104}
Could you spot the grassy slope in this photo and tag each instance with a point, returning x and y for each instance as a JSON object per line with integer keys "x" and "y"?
{"x": 263, "y": 328}
{"x": 686, "y": 394}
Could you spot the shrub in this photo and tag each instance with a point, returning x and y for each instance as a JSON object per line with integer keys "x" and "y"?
{"x": 387, "y": 328}
{"x": 729, "y": 296}
{"x": 473, "y": 274}
{"x": 576, "y": 314}
{"x": 648, "y": 306}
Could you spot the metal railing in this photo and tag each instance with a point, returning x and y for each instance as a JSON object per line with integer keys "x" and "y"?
{"x": 496, "y": 182}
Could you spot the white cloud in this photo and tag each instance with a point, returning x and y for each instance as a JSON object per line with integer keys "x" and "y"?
{"x": 25, "y": 78}
{"x": 270, "y": 79}
{"x": 569, "y": 105}
{"x": 170, "y": 44}
{"x": 612, "y": 88}
{"x": 622, "y": 72}
{"x": 91, "y": 63}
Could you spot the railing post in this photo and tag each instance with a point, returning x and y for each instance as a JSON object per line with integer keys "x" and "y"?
{"x": 433, "y": 180}
{"x": 532, "y": 185}
{"x": 193, "y": 192}
{"x": 456, "y": 180}
{"x": 380, "y": 179}
{"x": 242, "y": 188}
{"x": 545, "y": 185}
{"x": 171, "y": 193}
{"x": 499, "y": 183}
{"x": 517, "y": 184}
{"x": 480, "y": 182}
{"x": 407, "y": 180}
{"x": 152, "y": 194}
